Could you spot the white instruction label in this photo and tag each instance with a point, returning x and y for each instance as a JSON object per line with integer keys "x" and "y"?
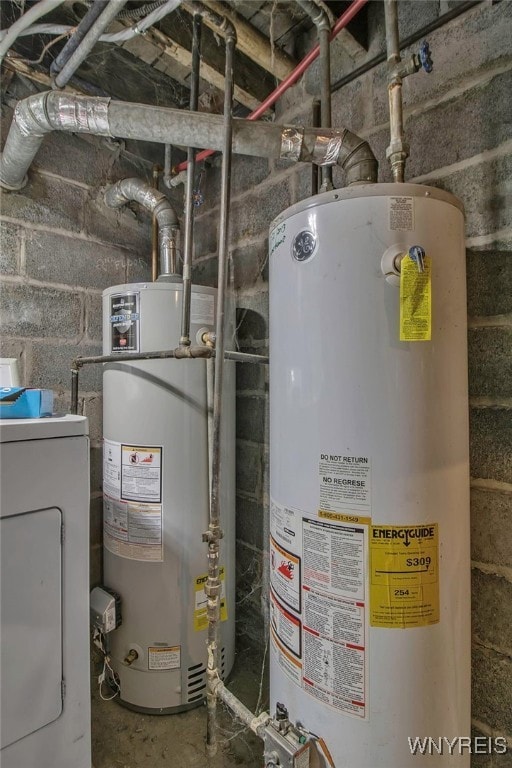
{"x": 164, "y": 658}
{"x": 345, "y": 481}
{"x": 401, "y": 214}
{"x": 285, "y": 575}
{"x": 112, "y": 468}
{"x": 334, "y": 617}
{"x": 286, "y": 626}
{"x": 202, "y": 309}
{"x": 133, "y": 530}
{"x": 290, "y": 665}
{"x": 141, "y": 473}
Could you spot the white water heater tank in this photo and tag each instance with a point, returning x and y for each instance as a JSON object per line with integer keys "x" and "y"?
{"x": 369, "y": 547}
{"x": 156, "y": 497}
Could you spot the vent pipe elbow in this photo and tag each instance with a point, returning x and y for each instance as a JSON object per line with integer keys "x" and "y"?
{"x": 152, "y": 199}
{"x": 331, "y": 147}
{"x": 156, "y": 202}
{"x": 40, "y": 114}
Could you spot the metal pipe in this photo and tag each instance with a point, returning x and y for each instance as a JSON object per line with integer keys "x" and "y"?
{"x": 154, "y": 231}
{"x": 43, "y": 112}
{"x": 93, "y": 12}
{"x": 179, "y": 353}
{"x": 90, "y": 39}
{"x": 114, "y": 37}
{"x": 322, "y": 22}
{"x": 155, "y": 201}
{"x": 167, "y": 174}
{"x": 420, "y": 34}
{"x": 245, "y": 357}
{"x": 292, "y": 78}
{"x": 189, "y": 203}
{"x": 398, "y": 150}
{"x": 315, "y": 175}
{"x": 214, "y": 533}
{"x": 74, "y": 391}
{"x": 21, "y": 24}
{"x": 256, "y": 724}
{"x": 325, "y": 104}
{"x": 210, "y": 382}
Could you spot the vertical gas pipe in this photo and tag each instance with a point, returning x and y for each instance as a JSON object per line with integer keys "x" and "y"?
{"x": 189, "y": 206}
{"x": 214, "y": 533}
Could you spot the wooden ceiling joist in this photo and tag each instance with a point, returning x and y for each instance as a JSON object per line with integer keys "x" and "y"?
{"x": 252, "y": 42}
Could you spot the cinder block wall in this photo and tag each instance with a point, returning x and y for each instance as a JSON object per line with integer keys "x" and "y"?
{"x": 60, "y": 247}
{"x": 459, "y": 124}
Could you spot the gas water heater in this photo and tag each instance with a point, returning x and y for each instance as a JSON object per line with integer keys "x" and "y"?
{"x": 369, "y": 546}
{"x": 156, "y": 497}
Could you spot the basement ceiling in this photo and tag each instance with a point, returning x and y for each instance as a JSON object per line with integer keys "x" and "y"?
{"x": 154, "y": 67}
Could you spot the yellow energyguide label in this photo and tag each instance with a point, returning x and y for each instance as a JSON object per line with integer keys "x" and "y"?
{"x": 200, "y": 604}
{"x": 415, "y": 301}
{"x": 404, "y": 575}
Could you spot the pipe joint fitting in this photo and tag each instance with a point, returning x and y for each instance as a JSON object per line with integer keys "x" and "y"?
{"x": 212, "y": 590}
{"x": 183, "y": 352}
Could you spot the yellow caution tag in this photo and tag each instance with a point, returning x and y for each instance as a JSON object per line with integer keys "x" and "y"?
{"x": 200, "y": 605}
{"x": 415, "y": 301}
{"x": 404, "y": 575}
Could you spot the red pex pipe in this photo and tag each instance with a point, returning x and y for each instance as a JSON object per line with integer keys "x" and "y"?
{"x": 292, "y": 78}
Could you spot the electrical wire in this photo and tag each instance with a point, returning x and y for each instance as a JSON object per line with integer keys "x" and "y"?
{"x": 47, "y": 48}
{"x": 137, "y": 13}
{"x": 162, "y": 9}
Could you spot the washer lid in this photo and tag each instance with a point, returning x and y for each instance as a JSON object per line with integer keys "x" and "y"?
{"x": 12, "y": 430}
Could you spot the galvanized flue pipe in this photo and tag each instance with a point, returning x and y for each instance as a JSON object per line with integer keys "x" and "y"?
{"x": 42, "y": 113}
{"x": 157, "y": 203}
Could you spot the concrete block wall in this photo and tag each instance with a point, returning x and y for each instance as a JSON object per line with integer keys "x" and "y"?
{"x": 458, "y": 122}
{"x": 60, "y": 247}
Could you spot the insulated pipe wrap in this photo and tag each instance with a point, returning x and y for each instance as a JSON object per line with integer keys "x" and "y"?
{"x": 82, "y": 114}
{"x": 49, "y": 111}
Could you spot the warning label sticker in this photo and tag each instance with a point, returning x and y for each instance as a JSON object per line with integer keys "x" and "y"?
{"x": 401, "y": 214}
{"x": 334, "y": 558}
{"x": 200, "y": 601}
{"x": 344, "y": 482}
{"x": 202, "y": 308}
{"x": 290, "y": 665}
{"x": 285, "y": 575}
{"x": 133, "y": 530}
{"x": 112, "y": 468}
{"x": 286, "y": 626}
{"x": 141, "y": 473}
{"x": 284, "y": 527}
{"x": 164, "y": 658}
{"x": 404, "y": 575}
{"x": 335, "y": 553}
{"x": 415, "y": 301}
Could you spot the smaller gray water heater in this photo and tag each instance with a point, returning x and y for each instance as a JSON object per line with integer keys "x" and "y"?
{"x": 156, "y": 497}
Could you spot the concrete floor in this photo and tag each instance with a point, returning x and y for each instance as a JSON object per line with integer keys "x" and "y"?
{"x": 125, "y": 739}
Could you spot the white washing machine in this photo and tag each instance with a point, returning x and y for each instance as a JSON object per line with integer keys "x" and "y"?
{"x": 44, "y": 629}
